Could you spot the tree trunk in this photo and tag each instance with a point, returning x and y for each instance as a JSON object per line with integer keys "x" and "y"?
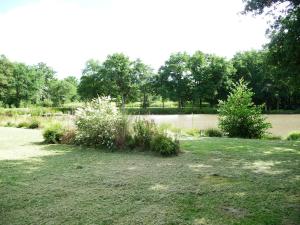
{"x": 123, "y": 103}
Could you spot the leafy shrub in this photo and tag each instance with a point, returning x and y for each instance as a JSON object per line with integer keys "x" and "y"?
{"x": 239, "y": 117}
{"x": 193, "y": 132}
{"x": 213, "y": 132}
{"x": 271, "y": 137}
{"x": 164, "y": 145}
{"x": 53, "y": 133}
{"x": 23, "y": 125}
{"x": 294, "y": 136}
{"x": 98, "y": 122}
{"x": 68, "y": 136}
{"x": 10, "y": 124}
{"x": 123, "y": 136}
{"x": 144, "y": 131}
{"x": 33, "y": 124}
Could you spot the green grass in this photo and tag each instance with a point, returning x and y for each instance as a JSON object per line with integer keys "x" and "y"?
{"x": 215, "y": 181}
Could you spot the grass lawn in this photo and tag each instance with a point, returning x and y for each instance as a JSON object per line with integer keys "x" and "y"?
{"x": 215, "y": 181}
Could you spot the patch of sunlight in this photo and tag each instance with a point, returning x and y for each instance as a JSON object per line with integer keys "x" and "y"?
{"x": 132, "y": 168}
{"x": 282, "y": 149}
{"x": 240, "y": 194}
{"x": 164, "y": 164}
{"x": 293, "y": 198}
{"x": 297, "y": 177}
{"x": 216, "y": 159}
{"x": 198, "y": 167}
{"x": 264, "y": 167}
{"x": 201, "y": 221}
{"x": 159, "y": 187}
{"x": 23, "y": 153}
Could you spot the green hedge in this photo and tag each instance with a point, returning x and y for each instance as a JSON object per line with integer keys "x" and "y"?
{"x": 52, "y": 111}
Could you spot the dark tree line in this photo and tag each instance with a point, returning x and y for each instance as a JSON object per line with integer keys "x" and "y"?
{"x": 23, "y": 85}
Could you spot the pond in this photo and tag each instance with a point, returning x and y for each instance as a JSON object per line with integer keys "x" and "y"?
{"x": 281, "y": 124}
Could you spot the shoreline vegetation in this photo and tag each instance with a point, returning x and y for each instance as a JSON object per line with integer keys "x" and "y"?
{"x": 56, "y": 111}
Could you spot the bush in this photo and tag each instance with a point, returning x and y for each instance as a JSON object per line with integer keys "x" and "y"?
{"x": 213, "y": 132}
{"x": 294, "y": 136}
{"x": 68, "y": 137}
{"x": 10, "y": 124}
{"x": 97, "y": 123}
{"x": 144, "y": 131}
{"x": 23, "y": 125}
{"x": 164, "y": 145}
{"x": 33, "y": 124}
{"x": 239, "y": 117}
{"x": 271, "y": 137}
{"x": 53, "y": 133}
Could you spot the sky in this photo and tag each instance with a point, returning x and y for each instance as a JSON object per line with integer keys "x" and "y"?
{"x": 66, "y": 33}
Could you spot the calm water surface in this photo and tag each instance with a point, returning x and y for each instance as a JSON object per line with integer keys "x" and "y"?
{"x": 282, "y": 124}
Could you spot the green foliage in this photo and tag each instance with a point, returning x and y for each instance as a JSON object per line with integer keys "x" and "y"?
{"x": 144, "y": 131}
{"x": 10, "y": 124}
{"x": 97, "y": 123}
{"x": 23, "y": 124}
{"x": 68, "y": 136}
{"x": 147, "y": 136}
{"x": 271, "y": 137}
{"x": 164, "y": 145}
{"x": 294, "y": 136}
{"x": 53, "y": 133}
{"x": 33, "y": 124}
{"x": 176, "y": 78}
{"x": 239, "y": 117}
{"x": 213, "y": 132}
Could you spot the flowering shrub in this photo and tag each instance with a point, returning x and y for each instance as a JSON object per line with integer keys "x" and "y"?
{"x": 98, "y": 122}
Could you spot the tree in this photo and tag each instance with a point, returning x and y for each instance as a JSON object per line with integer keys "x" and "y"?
{"x": 283, "y": 48}
{"x": 62, "y": 92}
{"x": 144, "y": 76}
{"x": 178, "y": 76}
{"x": 122, "y": 80}
{"x": 210, "y": 75}
{"x": 258, "y": 6}
{"x": 73, "y": 95}
{"x": 6, "y": 76}
{"x": 93, "y": 81}
{"x": 239, "y": 117}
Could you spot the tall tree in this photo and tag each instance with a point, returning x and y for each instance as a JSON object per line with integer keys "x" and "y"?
{"x": 178, "y": 76}
{"x": 6, "y": 77}
{"x": 120, "y": 74}
{"x": 93, "y": 81}
{"x": 144, "y": 76}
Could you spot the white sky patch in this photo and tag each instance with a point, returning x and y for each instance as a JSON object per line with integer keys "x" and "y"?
{"x": 65, "y": 34}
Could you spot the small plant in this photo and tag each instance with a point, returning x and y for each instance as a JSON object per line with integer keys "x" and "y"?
{"x": 239, "y": 117}
{"x": 33, "y": 124}
{"x": 193, "y": 132}
{"x": 53, "y": 133}
{"x": 68, "y": 137}
{"x": 23, "y": 125}
{"x": 144, "y": 131}
{"x": 294, "y": 136}
{"x": 164, "y": 145}
{"x": 10, "y": 124}
{"x": 271, "y": 137}
{"x": 213, "y": 132}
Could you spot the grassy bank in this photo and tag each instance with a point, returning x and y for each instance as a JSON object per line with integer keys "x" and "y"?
{"x": 215, "y": 181}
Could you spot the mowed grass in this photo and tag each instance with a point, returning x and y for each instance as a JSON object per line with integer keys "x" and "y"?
{"x": 215, "y": 181}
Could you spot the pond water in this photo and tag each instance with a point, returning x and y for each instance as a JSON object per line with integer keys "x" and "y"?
{"x": 281, "y": 124}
